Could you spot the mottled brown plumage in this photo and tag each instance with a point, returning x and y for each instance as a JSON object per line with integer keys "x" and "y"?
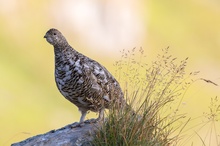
{"x": 81, "y": 80}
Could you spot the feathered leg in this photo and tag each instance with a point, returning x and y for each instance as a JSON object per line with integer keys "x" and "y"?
{"x": 83, "y": 115}
{"x": 81, "y": 121}
{"x": 100, "y": 117}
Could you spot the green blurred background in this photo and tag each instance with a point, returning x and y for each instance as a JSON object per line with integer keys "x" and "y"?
{"x": 30, "y": 103}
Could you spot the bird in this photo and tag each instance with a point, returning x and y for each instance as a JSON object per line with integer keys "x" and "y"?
{"x": 83, "y": 81}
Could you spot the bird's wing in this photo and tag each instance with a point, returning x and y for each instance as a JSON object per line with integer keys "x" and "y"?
{"x": 103, "y": 81}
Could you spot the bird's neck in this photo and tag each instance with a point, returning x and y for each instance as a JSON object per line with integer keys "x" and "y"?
{"x": 63, "y": 53}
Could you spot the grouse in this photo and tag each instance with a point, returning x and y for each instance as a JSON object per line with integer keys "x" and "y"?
{"x": 83, "y": 81}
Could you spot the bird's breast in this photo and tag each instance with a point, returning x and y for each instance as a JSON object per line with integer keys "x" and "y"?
{"x": 68, "y": 74}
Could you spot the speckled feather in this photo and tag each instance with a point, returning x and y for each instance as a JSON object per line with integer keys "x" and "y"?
{"x": 81, "y": 80}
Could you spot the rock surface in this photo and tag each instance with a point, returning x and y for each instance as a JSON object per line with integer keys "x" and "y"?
{"x": 65, "y": 136}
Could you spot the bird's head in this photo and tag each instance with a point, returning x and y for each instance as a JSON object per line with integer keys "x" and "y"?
{"x": 55, "y": 38}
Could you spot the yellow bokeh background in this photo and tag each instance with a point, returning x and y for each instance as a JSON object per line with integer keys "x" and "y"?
{"x": 30, "y": 103}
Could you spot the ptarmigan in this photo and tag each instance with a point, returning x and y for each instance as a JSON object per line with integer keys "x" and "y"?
{"x": 81, "y": 80}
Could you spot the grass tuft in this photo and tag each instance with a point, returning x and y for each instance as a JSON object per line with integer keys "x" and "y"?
{"x": 155, "y": 92}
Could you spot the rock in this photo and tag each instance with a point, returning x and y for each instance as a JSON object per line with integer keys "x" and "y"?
{"x": 65, "y": 136}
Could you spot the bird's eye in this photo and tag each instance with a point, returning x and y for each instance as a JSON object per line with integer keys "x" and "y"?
{"x": 54, "y": 34}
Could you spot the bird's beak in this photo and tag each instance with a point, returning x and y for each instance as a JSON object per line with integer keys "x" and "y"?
{"x": 45, "y": 36}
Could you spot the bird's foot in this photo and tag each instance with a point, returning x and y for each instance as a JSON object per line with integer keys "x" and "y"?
{"x": 91, "y": 121}
{"x": 81, "y": 124}
{"x": 75, "y": 125}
